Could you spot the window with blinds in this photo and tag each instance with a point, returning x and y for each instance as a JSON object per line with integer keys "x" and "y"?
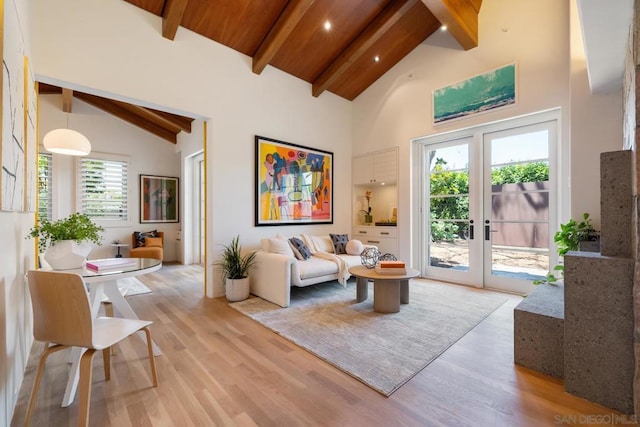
{"x": 45, "y": 186}
{"x": 103, "y": 188}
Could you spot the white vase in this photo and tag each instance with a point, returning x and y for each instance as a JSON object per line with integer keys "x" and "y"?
{"x": 67, "y": 254}
{"x": 237, "y": 289}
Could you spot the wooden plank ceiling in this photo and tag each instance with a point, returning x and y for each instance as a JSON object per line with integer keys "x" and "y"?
{"x": 290, "y": 35}
{"x": 366, "y": 39}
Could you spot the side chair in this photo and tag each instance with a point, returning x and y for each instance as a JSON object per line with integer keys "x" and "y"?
{"x": 62, "y": 318}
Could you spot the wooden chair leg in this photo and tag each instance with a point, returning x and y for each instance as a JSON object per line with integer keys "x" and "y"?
{"x": 152, "y": 360}
{"x": 36, "y": 385}
{"x": 106, "y": 355}
{"x": 108, "y": 311}
{"x": 86, "y": 364}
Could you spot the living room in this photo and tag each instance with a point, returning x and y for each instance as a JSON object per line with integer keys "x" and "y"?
{"x": 114, "y": 48}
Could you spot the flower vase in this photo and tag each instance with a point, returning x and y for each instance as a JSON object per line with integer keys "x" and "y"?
{"x": 368, "y": 219}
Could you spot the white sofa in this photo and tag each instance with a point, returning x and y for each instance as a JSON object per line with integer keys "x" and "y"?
{"x": 277, "y": 268}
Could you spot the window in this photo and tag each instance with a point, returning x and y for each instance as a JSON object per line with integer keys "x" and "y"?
{"x": 45, "y": 186}
{"x": 103, "y": 188}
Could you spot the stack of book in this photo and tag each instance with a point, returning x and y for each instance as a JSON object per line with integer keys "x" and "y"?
{"x": 109, "y": 264}
{"x": 391, "y": 267}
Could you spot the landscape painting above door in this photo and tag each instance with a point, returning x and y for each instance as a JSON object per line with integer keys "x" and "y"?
{"x": 479, "y": 94}
{"x": 293, "y": 184}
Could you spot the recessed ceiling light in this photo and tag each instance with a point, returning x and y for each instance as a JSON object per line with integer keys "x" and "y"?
{"x": 443, "y": 28}
{"x": 327, "y": 25}
{"x": 376, "y": 58}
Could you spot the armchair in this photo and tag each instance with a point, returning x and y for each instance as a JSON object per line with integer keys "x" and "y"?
{"x": 153, "y": 247}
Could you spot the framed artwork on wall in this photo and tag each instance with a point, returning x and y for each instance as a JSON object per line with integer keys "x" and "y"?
{"x": 159, "y": 199}
{"x": 476, "y": 95}
{"x": 294, "y": 184}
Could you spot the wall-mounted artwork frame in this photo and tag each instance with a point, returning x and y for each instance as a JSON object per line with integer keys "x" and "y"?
{"x": 294, "y": 184}
{"x": 159, "y": 199}
{"x": 479, "y": 94}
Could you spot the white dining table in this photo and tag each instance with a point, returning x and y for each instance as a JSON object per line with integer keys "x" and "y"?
{"x": 101, "y": 283}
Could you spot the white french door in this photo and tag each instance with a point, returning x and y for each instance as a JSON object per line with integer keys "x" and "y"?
{"x": 489, "y": 205}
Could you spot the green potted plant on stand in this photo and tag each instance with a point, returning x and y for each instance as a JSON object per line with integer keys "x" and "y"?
{"x": 67, "y": 242}
{"x": 235, "y": 270}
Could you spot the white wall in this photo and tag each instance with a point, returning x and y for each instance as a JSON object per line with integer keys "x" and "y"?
{"x": 18, "y": 256}
{"x": 75, "y": 42}
{"x": 535, "y": 35}
{"x": 147, "y": 154}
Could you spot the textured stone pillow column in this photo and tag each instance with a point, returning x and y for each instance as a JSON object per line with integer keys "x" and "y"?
{"x": 599, "y": 360}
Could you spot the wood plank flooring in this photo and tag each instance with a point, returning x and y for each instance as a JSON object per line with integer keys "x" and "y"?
{"x": 219, "y": 368}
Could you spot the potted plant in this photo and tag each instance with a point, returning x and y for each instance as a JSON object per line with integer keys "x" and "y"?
{"x": 571, "y": 237}
{"x": 67, "y": 242}
{"x": 235, "y": 270}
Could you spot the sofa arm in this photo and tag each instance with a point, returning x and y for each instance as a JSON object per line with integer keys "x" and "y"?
{"x": 271, "y": 277}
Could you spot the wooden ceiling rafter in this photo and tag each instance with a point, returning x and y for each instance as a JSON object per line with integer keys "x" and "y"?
{"x": 123, "y": 111}
{"x": 460, "y": 17}
{"x": 160, "y": 123}
{"x": 374, "y": 31}
{"x": 288, "y": 19}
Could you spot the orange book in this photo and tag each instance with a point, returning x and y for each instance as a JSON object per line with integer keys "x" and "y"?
{"x": 391, "y": 264}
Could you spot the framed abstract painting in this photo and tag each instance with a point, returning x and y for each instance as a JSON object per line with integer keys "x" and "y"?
{"x": 294, "y": 184}
{"x": 158, "y": 199}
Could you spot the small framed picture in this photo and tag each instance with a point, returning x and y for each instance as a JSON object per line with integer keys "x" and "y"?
{"x": 159, "y": 199}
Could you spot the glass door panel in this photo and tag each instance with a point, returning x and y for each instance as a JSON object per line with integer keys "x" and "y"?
{"x": 517, "y": 211}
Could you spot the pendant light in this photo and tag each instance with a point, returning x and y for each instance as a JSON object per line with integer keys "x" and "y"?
{"x": 66, "y": 141}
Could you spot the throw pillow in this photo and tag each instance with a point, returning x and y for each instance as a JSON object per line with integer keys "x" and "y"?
{"x": 323, "y": 243}
{"x": 141, "y": 235}
{"x": 280, "y": 246}
{"x": 354, "y": 247}
{"x": 339, "y": 243}
{"x": 299, "y": 249}
{"x": 153, "y": 242}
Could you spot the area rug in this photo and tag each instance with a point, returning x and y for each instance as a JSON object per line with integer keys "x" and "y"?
{"x": 384, "y": 351}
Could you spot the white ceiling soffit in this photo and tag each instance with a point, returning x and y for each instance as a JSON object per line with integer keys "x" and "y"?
{"x": 605, "y": 31}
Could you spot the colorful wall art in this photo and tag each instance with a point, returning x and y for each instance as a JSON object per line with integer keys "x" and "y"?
{"x": 293, "y": 184}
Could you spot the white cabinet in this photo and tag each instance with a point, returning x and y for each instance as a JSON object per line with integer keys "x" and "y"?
{"x": 385, "y": 238}
{"x": 376, "y": 168}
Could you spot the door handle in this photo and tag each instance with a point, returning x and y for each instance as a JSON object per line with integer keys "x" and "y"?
{"x": 471, "y": 229}
{"x": 488, "y": 231}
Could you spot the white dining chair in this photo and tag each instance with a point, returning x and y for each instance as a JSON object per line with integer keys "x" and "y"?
{"x": 62, "y": 318}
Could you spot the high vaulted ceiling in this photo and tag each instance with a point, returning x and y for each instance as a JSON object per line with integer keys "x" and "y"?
{"x": 290, "y": 35}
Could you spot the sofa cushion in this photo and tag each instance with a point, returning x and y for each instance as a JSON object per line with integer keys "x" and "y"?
{"x": 316, "y": 267}
{"x": 339, "y": 242}
{"x": 354, "y": 247}
{"x": 322, "y": 243}
{"x": 153, "y": 242}
{"x": 280, "y": 246}
{"x": 299, "y": 249}
{"x": 141, "y": 235}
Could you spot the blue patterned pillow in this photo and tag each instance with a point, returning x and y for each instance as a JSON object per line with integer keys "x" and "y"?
{"x": 339, "y": 243}
{"x": 141, "y": 235}
{"x": 300, "y": 250}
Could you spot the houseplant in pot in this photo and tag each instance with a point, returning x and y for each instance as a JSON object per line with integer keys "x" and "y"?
{"x": 235, "y": 270}
{"x": 67, "y": 242}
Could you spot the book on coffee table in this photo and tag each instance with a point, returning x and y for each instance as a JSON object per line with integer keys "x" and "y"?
{"x": 107, "y": 264}
{"x": 391, "y": 268}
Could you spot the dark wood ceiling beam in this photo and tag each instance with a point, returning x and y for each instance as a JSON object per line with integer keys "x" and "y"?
{"x": 184, "y": 123}
{"x": 119, "y": 109}
{"x": 287, "y": 21}
{"x": 67, "y": 100}
{"x": 172, "y": 17}
{"x": 163, "y": 120}
{"x": 460, "y": 17}
{"x": 374, "y": 31}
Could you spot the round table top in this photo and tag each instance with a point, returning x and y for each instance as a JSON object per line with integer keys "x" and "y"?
{"x": 122, "y": 245}
{"x": 370, "y": 273}
{"x": 138, "y": 266}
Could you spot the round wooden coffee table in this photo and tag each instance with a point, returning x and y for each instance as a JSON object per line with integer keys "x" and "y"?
{"x": 389, "y": 290}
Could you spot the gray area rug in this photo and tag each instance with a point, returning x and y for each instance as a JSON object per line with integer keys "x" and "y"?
{"x": 382, "y": 350}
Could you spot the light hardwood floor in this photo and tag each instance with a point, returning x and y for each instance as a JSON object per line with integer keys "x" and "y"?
{"x": 221, "y": 368}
